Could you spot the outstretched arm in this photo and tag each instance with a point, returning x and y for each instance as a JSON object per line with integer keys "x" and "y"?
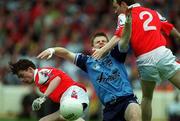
{"x": 175, "y": 33}
{"x": 123, "y": 41}
{"x": 36, "y": 105}
{"x": 52, "y": 86}
{"x": 126, "y": 36}
{"x": 168, "y": 28}
{"x": 59, "y": 51}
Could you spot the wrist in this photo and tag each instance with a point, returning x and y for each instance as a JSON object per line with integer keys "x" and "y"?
{"x": 51, "y": 50}
{"x": 44, "y": 97}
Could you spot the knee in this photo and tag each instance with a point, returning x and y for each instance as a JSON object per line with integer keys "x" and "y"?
{"x": 175, "y": 80}
{"x": 43, "y": 119}
{"x": 147, "y": 96}
{"x": 135, "y": 117}
{"x": 133, "y": 113}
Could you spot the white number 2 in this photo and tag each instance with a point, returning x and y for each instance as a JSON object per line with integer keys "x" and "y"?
{"x": 146, "y": 25}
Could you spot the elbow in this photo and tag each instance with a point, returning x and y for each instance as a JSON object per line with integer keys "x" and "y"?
{"x": 124, "y": 43}
{"x": 124, "y": 46}
{"x": 56, "y": 80}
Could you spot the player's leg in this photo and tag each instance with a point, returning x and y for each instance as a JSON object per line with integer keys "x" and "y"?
{"x": 80, "y": 119}
{"x": 133, "y": 112}
{"x": 169, "y": 68}
{"x": 149, "y": 75}
{"x": 176, "y": 79}
{"x": 146, "y": 103}
{"x": 53, "y": 117}
{"x": 56, "y": 117}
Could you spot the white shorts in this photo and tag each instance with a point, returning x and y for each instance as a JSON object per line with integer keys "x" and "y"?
{"x": 76, "y": 92}
{"x": 157, "y": 65}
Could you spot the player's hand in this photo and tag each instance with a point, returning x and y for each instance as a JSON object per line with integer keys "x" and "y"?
{"x": 97, "y": 53}
{"x": 36, "y": 105}
{"x": 46, "y": 54}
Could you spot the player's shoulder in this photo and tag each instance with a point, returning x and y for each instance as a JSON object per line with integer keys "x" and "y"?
{"x": 161, "y": 17}
{"x": 151, "y": 12}
{"x": 42, "y": 75}
{"x": 142, "y": 8}
{"x": 45, "y": 70}
{"x": 81, "y": 56}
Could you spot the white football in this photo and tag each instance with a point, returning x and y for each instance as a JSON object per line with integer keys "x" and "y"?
{"x": 71, "y": 109}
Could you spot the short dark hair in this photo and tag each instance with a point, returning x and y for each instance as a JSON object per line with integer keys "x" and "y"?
{"x": 21, "y": 65}
{"x": 128, "y": 2}
{"x": 97, "y": 35}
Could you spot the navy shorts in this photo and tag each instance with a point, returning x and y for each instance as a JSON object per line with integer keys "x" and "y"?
{"x": 115, "y": 111}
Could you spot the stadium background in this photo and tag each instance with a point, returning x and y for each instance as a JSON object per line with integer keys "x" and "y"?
{"x": 30, "y": 26}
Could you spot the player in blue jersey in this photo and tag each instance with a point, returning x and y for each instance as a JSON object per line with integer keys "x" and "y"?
{"x": 108, "y": 76}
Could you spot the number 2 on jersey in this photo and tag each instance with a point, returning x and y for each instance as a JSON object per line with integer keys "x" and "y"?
{"x": 146, "y": 25}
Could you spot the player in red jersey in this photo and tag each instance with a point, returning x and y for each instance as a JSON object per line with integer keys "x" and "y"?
{"x": 155, "y": 62}
{"x": 53, "y": 83}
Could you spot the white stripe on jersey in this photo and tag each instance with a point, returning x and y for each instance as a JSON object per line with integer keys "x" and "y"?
{"x": 43, "y": 75}
{"x": 161, "y": 17}
{"x": 121, "y": 20}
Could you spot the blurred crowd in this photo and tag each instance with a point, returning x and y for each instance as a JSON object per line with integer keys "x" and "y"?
{"x": 29, "y": 26}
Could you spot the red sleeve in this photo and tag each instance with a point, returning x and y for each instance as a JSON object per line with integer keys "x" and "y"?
{"x": 118, "y": 31}
{"x": 166, "y": 27}
{"x": 46, "y": 75}
{"x": 120, "y": 25}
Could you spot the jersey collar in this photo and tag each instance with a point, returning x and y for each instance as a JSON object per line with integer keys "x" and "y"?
{"x": 134, "y": 5}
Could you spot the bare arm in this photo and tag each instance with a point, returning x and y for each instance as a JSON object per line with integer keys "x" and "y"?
{"x": 126, "y": 36}
{"x": 36, "y": 105}
{"x": 123, "y": 41}
{"x": 175, "y": 33}
{"x": 168, "y": 28}
{"x": 59, "y": 51}
{"x": 52, "y": 86}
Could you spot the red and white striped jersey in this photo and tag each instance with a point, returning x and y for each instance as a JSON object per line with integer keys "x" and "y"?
{"x": 44, "y": 76}
{"x": 147, "y": 25}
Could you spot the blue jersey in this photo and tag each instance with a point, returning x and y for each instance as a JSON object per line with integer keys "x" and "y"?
{"x": 108, "y": 74}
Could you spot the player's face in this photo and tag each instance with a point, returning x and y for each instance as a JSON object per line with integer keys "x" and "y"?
{"x": 26, "y": 76}
{"x": 99, "y": 42}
